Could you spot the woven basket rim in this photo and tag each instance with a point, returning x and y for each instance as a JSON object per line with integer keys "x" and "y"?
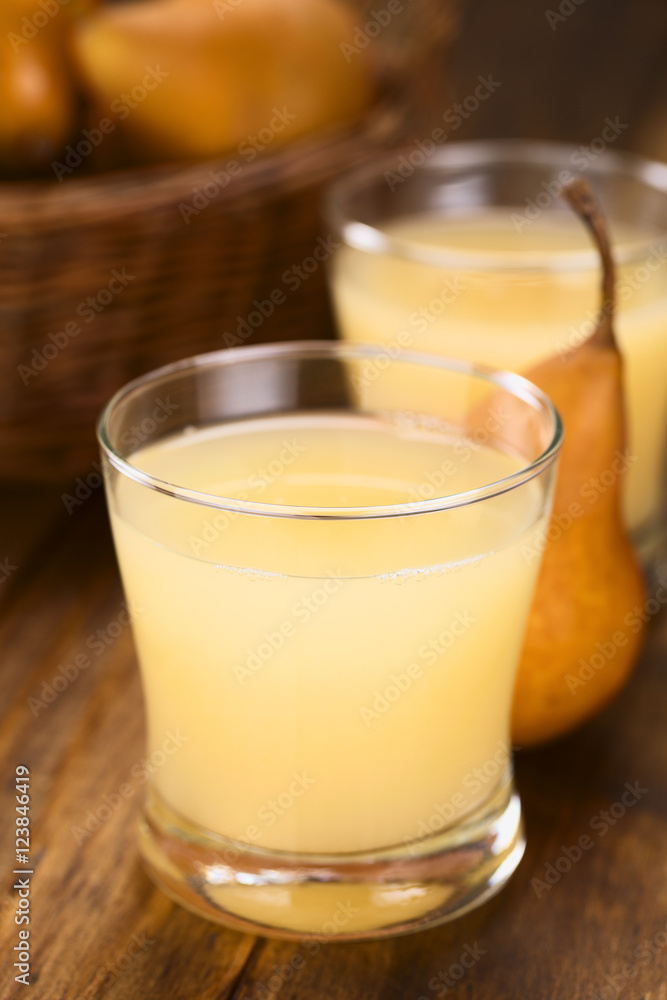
{"x": 41, "y": 204}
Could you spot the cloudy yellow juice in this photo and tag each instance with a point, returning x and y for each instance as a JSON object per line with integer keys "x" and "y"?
{"x": 537, "y": 294}
{"x": 339, "y": 684}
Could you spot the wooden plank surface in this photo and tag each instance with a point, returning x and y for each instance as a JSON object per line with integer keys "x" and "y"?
{"x": 100, "y": 929}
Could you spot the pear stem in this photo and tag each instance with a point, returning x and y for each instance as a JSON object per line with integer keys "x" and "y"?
{"x": 580, "y": 196}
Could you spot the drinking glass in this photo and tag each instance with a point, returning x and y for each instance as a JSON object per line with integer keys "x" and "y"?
{"x": 330, "y": 556}
{"x": 472, "y": 252}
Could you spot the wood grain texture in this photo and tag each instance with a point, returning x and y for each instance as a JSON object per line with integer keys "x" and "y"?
{"x": 99, "y": 928}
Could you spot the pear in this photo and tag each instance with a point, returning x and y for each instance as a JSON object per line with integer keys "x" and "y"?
{"x": 197, "y": 78}
{"x": 583, "y": 638}
{"x": 36, "y": 92}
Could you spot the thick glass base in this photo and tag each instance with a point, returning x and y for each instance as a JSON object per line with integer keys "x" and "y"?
{"x": 344, "y": 897}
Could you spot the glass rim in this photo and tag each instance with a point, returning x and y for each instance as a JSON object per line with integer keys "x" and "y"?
{"x": 335, "y": 350}
{"x": 450, "y": 158}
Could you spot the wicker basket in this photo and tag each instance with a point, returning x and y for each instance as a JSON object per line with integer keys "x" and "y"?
{"x": 103, "y": 278}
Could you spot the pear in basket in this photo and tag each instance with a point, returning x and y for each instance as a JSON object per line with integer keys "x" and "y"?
{"x": 196, "y": 78}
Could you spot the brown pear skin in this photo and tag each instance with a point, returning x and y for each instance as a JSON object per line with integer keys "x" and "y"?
{"x": 224, "y": 73}
{"x": 589, "y": 581}
{"x": 36, "y": 93}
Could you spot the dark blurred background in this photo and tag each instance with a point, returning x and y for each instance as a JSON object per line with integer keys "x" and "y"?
{"x": 564, "y": 67}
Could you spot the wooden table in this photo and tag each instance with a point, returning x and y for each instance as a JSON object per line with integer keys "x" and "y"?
{"x": 98, "y": 926}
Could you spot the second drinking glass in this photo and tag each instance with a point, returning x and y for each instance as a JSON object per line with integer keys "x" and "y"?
{"x": 472, "y": 253}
